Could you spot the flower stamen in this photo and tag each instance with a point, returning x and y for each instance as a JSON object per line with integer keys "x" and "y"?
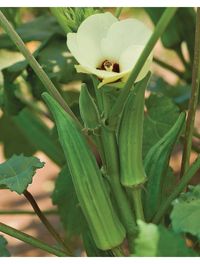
{"x": 109, "y": 66}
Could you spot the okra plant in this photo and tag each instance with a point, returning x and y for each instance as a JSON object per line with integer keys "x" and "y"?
{"x": 114, "y": 137}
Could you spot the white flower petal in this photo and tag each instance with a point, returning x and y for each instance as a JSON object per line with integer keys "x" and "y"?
{"x": 89, "y": 36}
{"x": 74, "y": 49}
{"x": 129, "y": 58}
{"x": 121, "y": 35}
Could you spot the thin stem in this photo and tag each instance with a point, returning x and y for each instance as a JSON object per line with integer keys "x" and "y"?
{"x": 30, "y": 240}
{"x": 26, "y": 212}
{"x": 180, "y": 54}
{"x": 160, "y": 28}
{"x": 45, "y": 221}
{"x": 193, "y": 100}
{"x": 35, "y": 65}
{"x": 137, "y": 200}
{"x": 181, "y": 186}
{"x": 118, "y": 11}
{"x": 169, "y": 67}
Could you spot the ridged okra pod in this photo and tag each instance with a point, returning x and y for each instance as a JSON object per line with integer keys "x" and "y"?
{"x": 105, "y": 227}
{"x": 156, "y": 165}
{"x": 130, "y": 137}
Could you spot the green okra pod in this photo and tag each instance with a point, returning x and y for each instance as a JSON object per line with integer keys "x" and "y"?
{"x": 156, "y": 165}
{"x": 130, "y": 137}
{"x": 105, "y": 227}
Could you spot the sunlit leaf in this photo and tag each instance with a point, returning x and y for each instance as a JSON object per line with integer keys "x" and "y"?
{"x": 157, "y": 241}
{"x": 17, "y": 172}
{"x": 186, "y": 212}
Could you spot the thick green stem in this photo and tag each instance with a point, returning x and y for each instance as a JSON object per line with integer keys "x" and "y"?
{"x": 181, "y": 186}
{"x": 45, "y": 221}
{"x": 137, "y": 200}
{"x": 34, "y": 64}
{"x": 118, "y": 11}
{"x": 112, "y": 169}
{"x": 193, "y": 100}
{"x": 30, "y": 240}
{"x": 160, "y": 28}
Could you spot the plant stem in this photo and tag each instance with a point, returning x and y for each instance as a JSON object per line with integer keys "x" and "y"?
{"x": 34, "y": 64}
{"x": 181, "y": 186}
{"x": 45, "y": 221}
{"x": 30, "y": 240}
{"x": 117, "y": 252}
{"x": 169, "y": 67}
{"x": 180, "y": 54}
{"x": 118, "y": 11}
{"x": 193, "y": 100}
{"x": 111, "y": 159}
{"x": 112, "y": 169}
{"x": 137, "y": 200}
{"x": 26, "y": 212}
{"x": 160, "y": 28}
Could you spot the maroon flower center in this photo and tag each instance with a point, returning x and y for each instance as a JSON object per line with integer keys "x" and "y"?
{"x": 109, "y": 66}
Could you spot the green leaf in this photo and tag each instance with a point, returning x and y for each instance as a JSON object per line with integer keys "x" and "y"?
{"x": 57, "y": 62}
{"x": 64, "y": 197}
{"x": 12, "y": 14}
{"x": 160, "y": 116}
{"x": 3, "y": 250}
{"x": 17, "y": 172}
{"x": 39, "y": 135}
{"x": 186, "y": 212}
{"x": 14, "y": 143}
{"x": 180, "y": 94}
{"x": 40, "y": 29}
{"x": 157, "y": 241}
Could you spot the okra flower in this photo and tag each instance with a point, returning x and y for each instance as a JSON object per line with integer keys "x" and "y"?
{"x": 109, "y": 48}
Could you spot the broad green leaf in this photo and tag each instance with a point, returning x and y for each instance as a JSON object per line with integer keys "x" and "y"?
{"x": 57, "y": 62}
{"x": 64, "y": 197}
{"x": 185, "y": 215}
{"x": 39, "y": 135}
{"x": 39, "y": 29}
{"x": 17, "y": 172}
{"x": 3, "y": 250}
{"x": 160, "y": 116}
{"x": 31, "y": 134}
{"x": 157, "y": 241}
{"x": 180, "y": 94}
{"x": 14, "y": 143}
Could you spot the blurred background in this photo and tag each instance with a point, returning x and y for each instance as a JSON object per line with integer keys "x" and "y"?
{"x": 51, "y": 56}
